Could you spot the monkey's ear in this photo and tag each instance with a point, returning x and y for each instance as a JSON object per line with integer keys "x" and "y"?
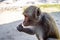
{"x": 37, "y": 13}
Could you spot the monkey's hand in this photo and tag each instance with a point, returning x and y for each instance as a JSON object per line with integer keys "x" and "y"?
{"x": 26, "y": 30}
{"x": 20, "y": 28}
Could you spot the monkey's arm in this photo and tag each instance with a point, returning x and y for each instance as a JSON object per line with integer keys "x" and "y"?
{"x": 26, "y": 30}
{"x": 29, "y": 31}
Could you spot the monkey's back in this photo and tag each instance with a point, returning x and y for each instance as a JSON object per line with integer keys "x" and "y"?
{"x": 50, "y": 26}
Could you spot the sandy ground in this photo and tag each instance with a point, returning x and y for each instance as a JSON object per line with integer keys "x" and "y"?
{"x": 8, "y": 31}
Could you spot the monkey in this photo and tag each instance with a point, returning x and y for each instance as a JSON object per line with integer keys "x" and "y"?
{"x": 41, "y": 23}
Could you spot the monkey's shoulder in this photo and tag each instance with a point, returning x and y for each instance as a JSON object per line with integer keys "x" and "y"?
{"x": 47, "y": 19}
{"x": 46, "y": 16}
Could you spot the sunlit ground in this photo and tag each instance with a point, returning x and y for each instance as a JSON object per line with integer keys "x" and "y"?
{"x": 12, "y": 12}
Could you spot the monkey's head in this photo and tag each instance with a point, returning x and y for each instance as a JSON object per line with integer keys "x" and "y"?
{"x": 31, "y": 15}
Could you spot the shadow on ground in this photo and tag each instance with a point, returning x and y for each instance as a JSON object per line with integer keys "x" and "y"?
{"x": 9, "y": 32}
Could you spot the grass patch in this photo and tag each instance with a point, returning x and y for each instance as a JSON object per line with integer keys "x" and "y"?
{"x": 50, "y": 5}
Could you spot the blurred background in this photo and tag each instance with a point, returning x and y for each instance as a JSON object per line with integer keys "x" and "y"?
{"x": 11, "y": 16}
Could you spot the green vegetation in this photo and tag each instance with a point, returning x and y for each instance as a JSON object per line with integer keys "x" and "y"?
{"x": 50, "y": 5}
